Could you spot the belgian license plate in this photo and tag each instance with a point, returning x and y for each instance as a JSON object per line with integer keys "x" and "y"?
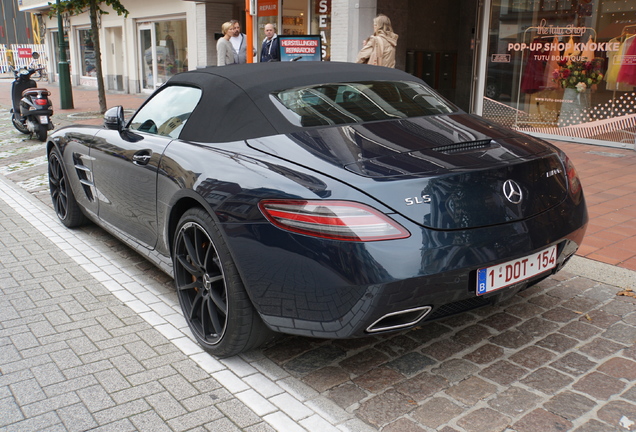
{"x": 44, "y": 120}
{"x": 502, "y": 275}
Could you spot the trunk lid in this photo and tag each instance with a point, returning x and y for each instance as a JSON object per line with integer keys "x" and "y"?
{"x": 442, "y": 172}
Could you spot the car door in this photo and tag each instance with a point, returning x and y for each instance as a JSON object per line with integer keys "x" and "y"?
{"x": 125, "y": 163}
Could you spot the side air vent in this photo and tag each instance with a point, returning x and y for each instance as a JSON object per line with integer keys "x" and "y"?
{"x": 85, "y": 175}
{"x": 463, "y": 147}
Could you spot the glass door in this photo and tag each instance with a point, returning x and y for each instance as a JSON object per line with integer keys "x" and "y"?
{"x": 148, "y": 57}
{"x": 163, "y": 51}
{"x": 294, "y": 17}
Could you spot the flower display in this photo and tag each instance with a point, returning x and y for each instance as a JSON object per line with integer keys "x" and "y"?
{"x": 579, "y": 75}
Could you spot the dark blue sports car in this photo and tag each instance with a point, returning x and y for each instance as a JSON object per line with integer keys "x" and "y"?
{"x": 323, "y": 199}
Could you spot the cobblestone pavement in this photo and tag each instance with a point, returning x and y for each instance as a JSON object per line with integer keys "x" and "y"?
{"x": 91, "y": 338}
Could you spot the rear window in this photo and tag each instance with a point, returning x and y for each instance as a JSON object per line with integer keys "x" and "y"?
{"x": 357, "y": 102}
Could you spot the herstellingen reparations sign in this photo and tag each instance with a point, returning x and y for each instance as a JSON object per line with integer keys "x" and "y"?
{"x": 300, "y": 48}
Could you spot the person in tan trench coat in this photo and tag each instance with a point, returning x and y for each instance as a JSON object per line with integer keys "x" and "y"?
{"x": 379, "y": 48}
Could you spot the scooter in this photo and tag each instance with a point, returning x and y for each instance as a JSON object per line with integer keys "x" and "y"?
{"x": 32, "y": 109}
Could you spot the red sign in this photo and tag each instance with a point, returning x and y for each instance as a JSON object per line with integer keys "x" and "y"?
{"x": 323, "y": 7}
{"x": 267, "y": 8}
{"x": 24, "y": 52}
{"x": 299, "y": 46}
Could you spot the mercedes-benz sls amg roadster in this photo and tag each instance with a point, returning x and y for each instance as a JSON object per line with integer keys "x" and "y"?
{"x": 322, "y": 199}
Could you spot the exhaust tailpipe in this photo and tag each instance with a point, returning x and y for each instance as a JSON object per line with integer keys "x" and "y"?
{"x": 399, "y": 319}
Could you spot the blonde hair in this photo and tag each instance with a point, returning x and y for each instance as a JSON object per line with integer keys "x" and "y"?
{"x": 383, "y": 23}
{"x": 226, "y": 26}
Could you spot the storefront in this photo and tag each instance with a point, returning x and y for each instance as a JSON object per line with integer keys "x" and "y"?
{"x": 563, "y": 69}
{"x": 296, "y": 17}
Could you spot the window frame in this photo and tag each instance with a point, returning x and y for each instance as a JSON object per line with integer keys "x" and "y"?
{"x": 163, "y": 123}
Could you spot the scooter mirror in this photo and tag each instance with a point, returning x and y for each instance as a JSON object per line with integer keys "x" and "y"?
{"x": 35, "y": 55}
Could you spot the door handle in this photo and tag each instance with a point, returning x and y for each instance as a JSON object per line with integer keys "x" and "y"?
{"x": 142, "y": 157}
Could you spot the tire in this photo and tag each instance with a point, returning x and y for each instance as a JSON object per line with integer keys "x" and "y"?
{"x": 64, "y": 203}
{"x": 18, "y": 125}
{"x": 42, "y": 132}
{"x": 211, "y": 293}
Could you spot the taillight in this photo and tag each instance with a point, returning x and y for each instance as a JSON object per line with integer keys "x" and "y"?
{"x": 338, "y": 220}
{"x": 41, "y": 102}
{"x": 573, "y": 177}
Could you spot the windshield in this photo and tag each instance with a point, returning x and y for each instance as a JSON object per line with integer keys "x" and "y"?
{"x": 357, "y": 102}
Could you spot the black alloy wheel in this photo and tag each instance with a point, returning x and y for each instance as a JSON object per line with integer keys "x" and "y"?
{"x": 212, "y": 296}
{"x": 64, "y": 204}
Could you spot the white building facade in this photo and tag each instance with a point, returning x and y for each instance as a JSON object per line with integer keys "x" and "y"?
{"x": 160, "y": 38}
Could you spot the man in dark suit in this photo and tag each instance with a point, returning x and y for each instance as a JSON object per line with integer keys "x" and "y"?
{"x": 270, "y": 50}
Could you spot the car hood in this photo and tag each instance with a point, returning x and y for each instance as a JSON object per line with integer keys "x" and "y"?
{"x": 444, "y": 172}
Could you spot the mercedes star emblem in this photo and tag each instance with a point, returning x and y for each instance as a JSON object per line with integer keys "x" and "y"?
{"x": 512, "y": 191}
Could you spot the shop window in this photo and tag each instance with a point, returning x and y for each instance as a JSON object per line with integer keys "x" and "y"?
{"x": 565, "y": 68}
{"x": 294, "y": 23}
{"x": 163, "y": 51}
{"x": 55, "y": 43}
{"x": 87, "y": 53}
{"x": 267, "y": 14}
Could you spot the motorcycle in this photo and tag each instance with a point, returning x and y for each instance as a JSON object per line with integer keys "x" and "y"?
{"x": 32, "y": 108}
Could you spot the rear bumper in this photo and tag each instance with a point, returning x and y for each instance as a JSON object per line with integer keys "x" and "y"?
{"x": 321, "y": 288}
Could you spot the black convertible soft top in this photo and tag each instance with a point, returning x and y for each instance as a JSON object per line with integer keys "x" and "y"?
{"x": 236, "y": 101}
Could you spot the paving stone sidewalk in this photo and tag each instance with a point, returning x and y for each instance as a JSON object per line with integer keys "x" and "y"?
{"x": 73, "y": 357}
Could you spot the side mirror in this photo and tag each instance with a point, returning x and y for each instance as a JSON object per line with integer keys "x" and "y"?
{"x": 35, "y": 55}
{"x": 114, "y": 118}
